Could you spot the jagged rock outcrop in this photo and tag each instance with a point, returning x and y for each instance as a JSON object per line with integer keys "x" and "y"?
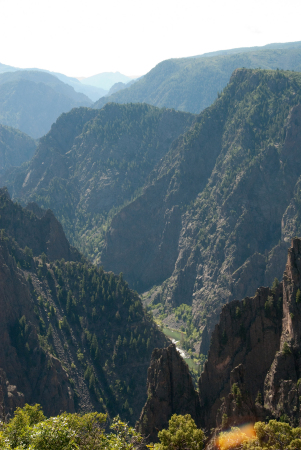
{"x": 239, "y": 407}
{"x": 170, "y": 391}
{"x": 282, "y": 385}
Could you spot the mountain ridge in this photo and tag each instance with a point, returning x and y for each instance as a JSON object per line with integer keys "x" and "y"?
{"x": 192, "y": 84}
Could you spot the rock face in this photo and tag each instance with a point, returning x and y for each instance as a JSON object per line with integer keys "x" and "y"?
{"x": 267, "y": 363}
{"x": 253, "y": 369}
{"x": 282, "y": 385}
{"x": 41, "y": 232}
{"x": 243, "y": 347}
{"x": 170, "y": 391}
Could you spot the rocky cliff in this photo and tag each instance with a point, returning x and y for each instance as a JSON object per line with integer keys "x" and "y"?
{"x": 282, "y": 384}
{"x": 253, "y": 369}
{"x": 170, "y": 391}
{"x": 242, "y": 350}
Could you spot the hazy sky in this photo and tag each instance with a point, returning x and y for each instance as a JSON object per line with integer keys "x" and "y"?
{"x": 82, "y": 38}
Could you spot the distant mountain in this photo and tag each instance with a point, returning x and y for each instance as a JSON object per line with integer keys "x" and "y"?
{"x": 93, "y": 162}
{"x": 273, "y": 46}
{"x": 106, "y": 80}
{"x": 5, "y": 68}
{"x": 118, "y": 86}
{"x": 92, "y": 92}
{"x": 32, "y": 100}
{"x": 192, "y": 84}
{"x": 15, "y": 148}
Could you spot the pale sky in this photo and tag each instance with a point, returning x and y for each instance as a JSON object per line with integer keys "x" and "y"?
{"x": 83, "y": 38}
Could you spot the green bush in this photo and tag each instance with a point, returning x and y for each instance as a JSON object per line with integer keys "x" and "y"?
{"x": 274, "y": 436}
{"x": 182, "y": 434}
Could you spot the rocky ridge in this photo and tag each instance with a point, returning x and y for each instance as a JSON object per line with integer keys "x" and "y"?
{"x": 73, "y": 338}
{"x": 93, "y": 162}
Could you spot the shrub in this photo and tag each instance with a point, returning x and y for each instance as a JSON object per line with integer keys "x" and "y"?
{"x": 182, "y": 434}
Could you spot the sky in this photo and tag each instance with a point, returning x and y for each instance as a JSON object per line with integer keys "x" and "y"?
{"x": 83, "y": 38}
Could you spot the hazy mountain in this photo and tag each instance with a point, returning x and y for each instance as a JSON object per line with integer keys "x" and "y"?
{"x": 192, "y": 84}
{"x": 118, "y": 86}
{"x": 279, "y": 45}
{"x": 106, "y": 80}
{"x": 15, "y": 148}
{"x": 5, "y": 68}
{"x": 32, "y": 100}
{"x": 92, "y": 92}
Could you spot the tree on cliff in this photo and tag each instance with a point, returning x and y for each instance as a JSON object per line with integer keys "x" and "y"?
{"x": 182, "y": 434}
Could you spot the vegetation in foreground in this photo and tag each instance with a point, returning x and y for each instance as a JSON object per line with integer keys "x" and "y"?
{"x": 30, "y": 429}
{"x": 266, "y": 436}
